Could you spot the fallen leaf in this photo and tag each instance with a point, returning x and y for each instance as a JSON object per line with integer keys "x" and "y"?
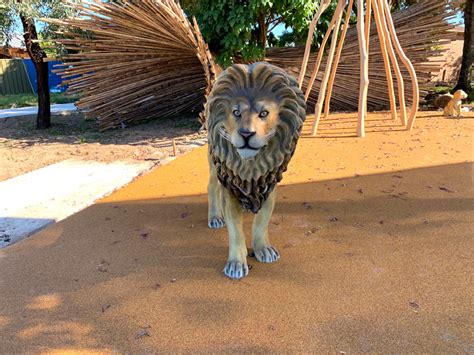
{"x": 442, "y": 188}
{"x": 103, "y": 266}
{"x": 397, "y": 176}
{"x": 143, "y": 332}
{"x": 307, "y": 205}
{"x": 105, "y": 307}
{"x": 144, "y": 235}
{"x": 333, "y": 219}
{"x": 414, "y": 305}
{"x": 173, "y": 279}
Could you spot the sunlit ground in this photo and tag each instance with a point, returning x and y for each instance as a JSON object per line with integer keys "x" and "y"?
{"x": 375, "y": 235}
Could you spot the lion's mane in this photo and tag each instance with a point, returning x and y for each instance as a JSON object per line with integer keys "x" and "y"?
{"x": 252, "y": 180}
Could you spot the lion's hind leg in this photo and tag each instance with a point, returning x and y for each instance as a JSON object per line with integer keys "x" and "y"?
{"x": 215, "y": 217}
{"x": 263, "y": 250}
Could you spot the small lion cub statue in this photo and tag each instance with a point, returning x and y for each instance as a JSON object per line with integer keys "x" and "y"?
{"x": 254, "y": 117}
{"x": 451, "y": 103}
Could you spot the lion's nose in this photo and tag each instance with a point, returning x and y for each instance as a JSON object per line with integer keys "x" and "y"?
{"x": 246, "y": 133}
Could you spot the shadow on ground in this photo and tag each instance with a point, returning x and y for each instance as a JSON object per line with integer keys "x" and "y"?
{"x": 72, "y": 128}
{"x": 369, "y": 264}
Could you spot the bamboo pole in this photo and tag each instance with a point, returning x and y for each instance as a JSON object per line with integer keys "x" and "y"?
{"x": 139, "y": 60}
{"x": 364, "y": 70}
{"x": 386, "y": 60}
{"x": 322, "y": 91}
{"x": 322, "y": 7}
{"x": 317, "y": 65}
{"x": 338, "y": 58}
{"x": 367, "y": 24}
{"x": 393, "y": 58}
{"x": 423, "y": 30}
{"x": 407, "y": 63}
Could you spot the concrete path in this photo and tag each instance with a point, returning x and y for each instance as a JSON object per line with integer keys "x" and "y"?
{"x": 32, "y": 201}
{"x": 376, "y": 243}
{"x": 33, "y": 110}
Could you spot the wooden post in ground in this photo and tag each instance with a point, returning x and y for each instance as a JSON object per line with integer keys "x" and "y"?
{"x": 322, "y": 7}
{"x": 317, "y": 64}
{"x": 364, "y": 70}
{"x": 386, "y": 60}
{"x": 406, "y": 62}
{"x": 367, "y": 23}
{"x": 322, "y": 89}
{"x": 393, "y": 59}
{"x": 338, "y": 58}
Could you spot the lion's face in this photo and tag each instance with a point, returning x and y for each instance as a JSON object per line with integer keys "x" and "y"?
{"x": 251, "y": 123}
{"x": 254, "y": 117}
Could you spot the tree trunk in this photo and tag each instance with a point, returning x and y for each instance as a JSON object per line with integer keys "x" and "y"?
{"x": 263, "y": 30}
{"x": 37, "y": 55}
{"x": 466, "y": 66}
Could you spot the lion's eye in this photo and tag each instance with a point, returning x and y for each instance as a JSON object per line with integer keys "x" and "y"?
{"x": 263, "y": 114}
{"x": 236, "y": 113}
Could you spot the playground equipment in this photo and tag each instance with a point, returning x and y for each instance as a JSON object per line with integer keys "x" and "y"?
{"x": 388, "y": 41}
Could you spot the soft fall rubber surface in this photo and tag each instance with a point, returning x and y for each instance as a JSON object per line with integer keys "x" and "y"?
{"x": 375, "y": 237}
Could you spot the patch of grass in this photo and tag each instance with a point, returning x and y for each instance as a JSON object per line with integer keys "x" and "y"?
{"x": 470, "y": 97}
{"x": 442, "y": 90}
{"x": 12, "y": 101}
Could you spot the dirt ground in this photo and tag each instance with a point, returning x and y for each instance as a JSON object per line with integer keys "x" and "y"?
{"x": 375, "y": 236}
{"x": 23, "y": 148}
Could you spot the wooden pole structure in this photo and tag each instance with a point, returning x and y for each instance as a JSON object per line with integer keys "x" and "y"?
{"x": 364, "y": 70}
{"x": 406, "y": 62}
{"x": 322, "y": 7}
{"x": 338, "y": 58}
{"x": 367, "y": 23}
{"x": 386, "y": 60}
{"x": 135, "y": 60}
{"x": 317, "y": 65}
{"x": 401, "y": 86}
{"x": 387, "y": 37}
{"x": 322, "y": 89}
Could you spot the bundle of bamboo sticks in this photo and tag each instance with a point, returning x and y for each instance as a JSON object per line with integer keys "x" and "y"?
{"x": 139, "y": 60}
{"x": 135, "y": 61}
{"x": 422, "y": 30}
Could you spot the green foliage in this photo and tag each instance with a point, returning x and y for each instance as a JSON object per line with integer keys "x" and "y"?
{"x": 441, "y": 90}
{"x": 240, "y": 30}
{"x": 10, "y": 11}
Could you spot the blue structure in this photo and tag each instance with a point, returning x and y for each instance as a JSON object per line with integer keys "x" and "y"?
{"x": 54, "y": 79}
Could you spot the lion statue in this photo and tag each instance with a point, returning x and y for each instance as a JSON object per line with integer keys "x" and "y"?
{"x": 254, "y": 118}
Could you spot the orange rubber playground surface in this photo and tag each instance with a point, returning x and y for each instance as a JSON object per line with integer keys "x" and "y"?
{"x": 376, "y": 240}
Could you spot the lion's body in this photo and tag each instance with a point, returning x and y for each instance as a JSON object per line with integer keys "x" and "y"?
{"x": 254, "y": 119}
{"x": 451, "y": 103}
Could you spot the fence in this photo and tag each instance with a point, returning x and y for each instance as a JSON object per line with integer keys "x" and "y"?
{"x": 14, "y": 78}
{"x": 18, "y": 76}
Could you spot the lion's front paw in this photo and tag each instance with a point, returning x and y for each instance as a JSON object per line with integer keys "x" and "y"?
{"x": 216, "y": 222}
{"x": 236, "y": 270}
{"x": 267, "y": 254}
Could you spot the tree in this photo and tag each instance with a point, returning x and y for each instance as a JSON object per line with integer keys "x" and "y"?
{"x": 240, "y": 30}
{"x": 401, "y": 4}
{"x": 12, "y": 11}
{"x": 466, "y": 66}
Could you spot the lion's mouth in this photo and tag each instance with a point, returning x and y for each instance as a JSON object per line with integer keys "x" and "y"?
{"x": 248, "y": 146}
